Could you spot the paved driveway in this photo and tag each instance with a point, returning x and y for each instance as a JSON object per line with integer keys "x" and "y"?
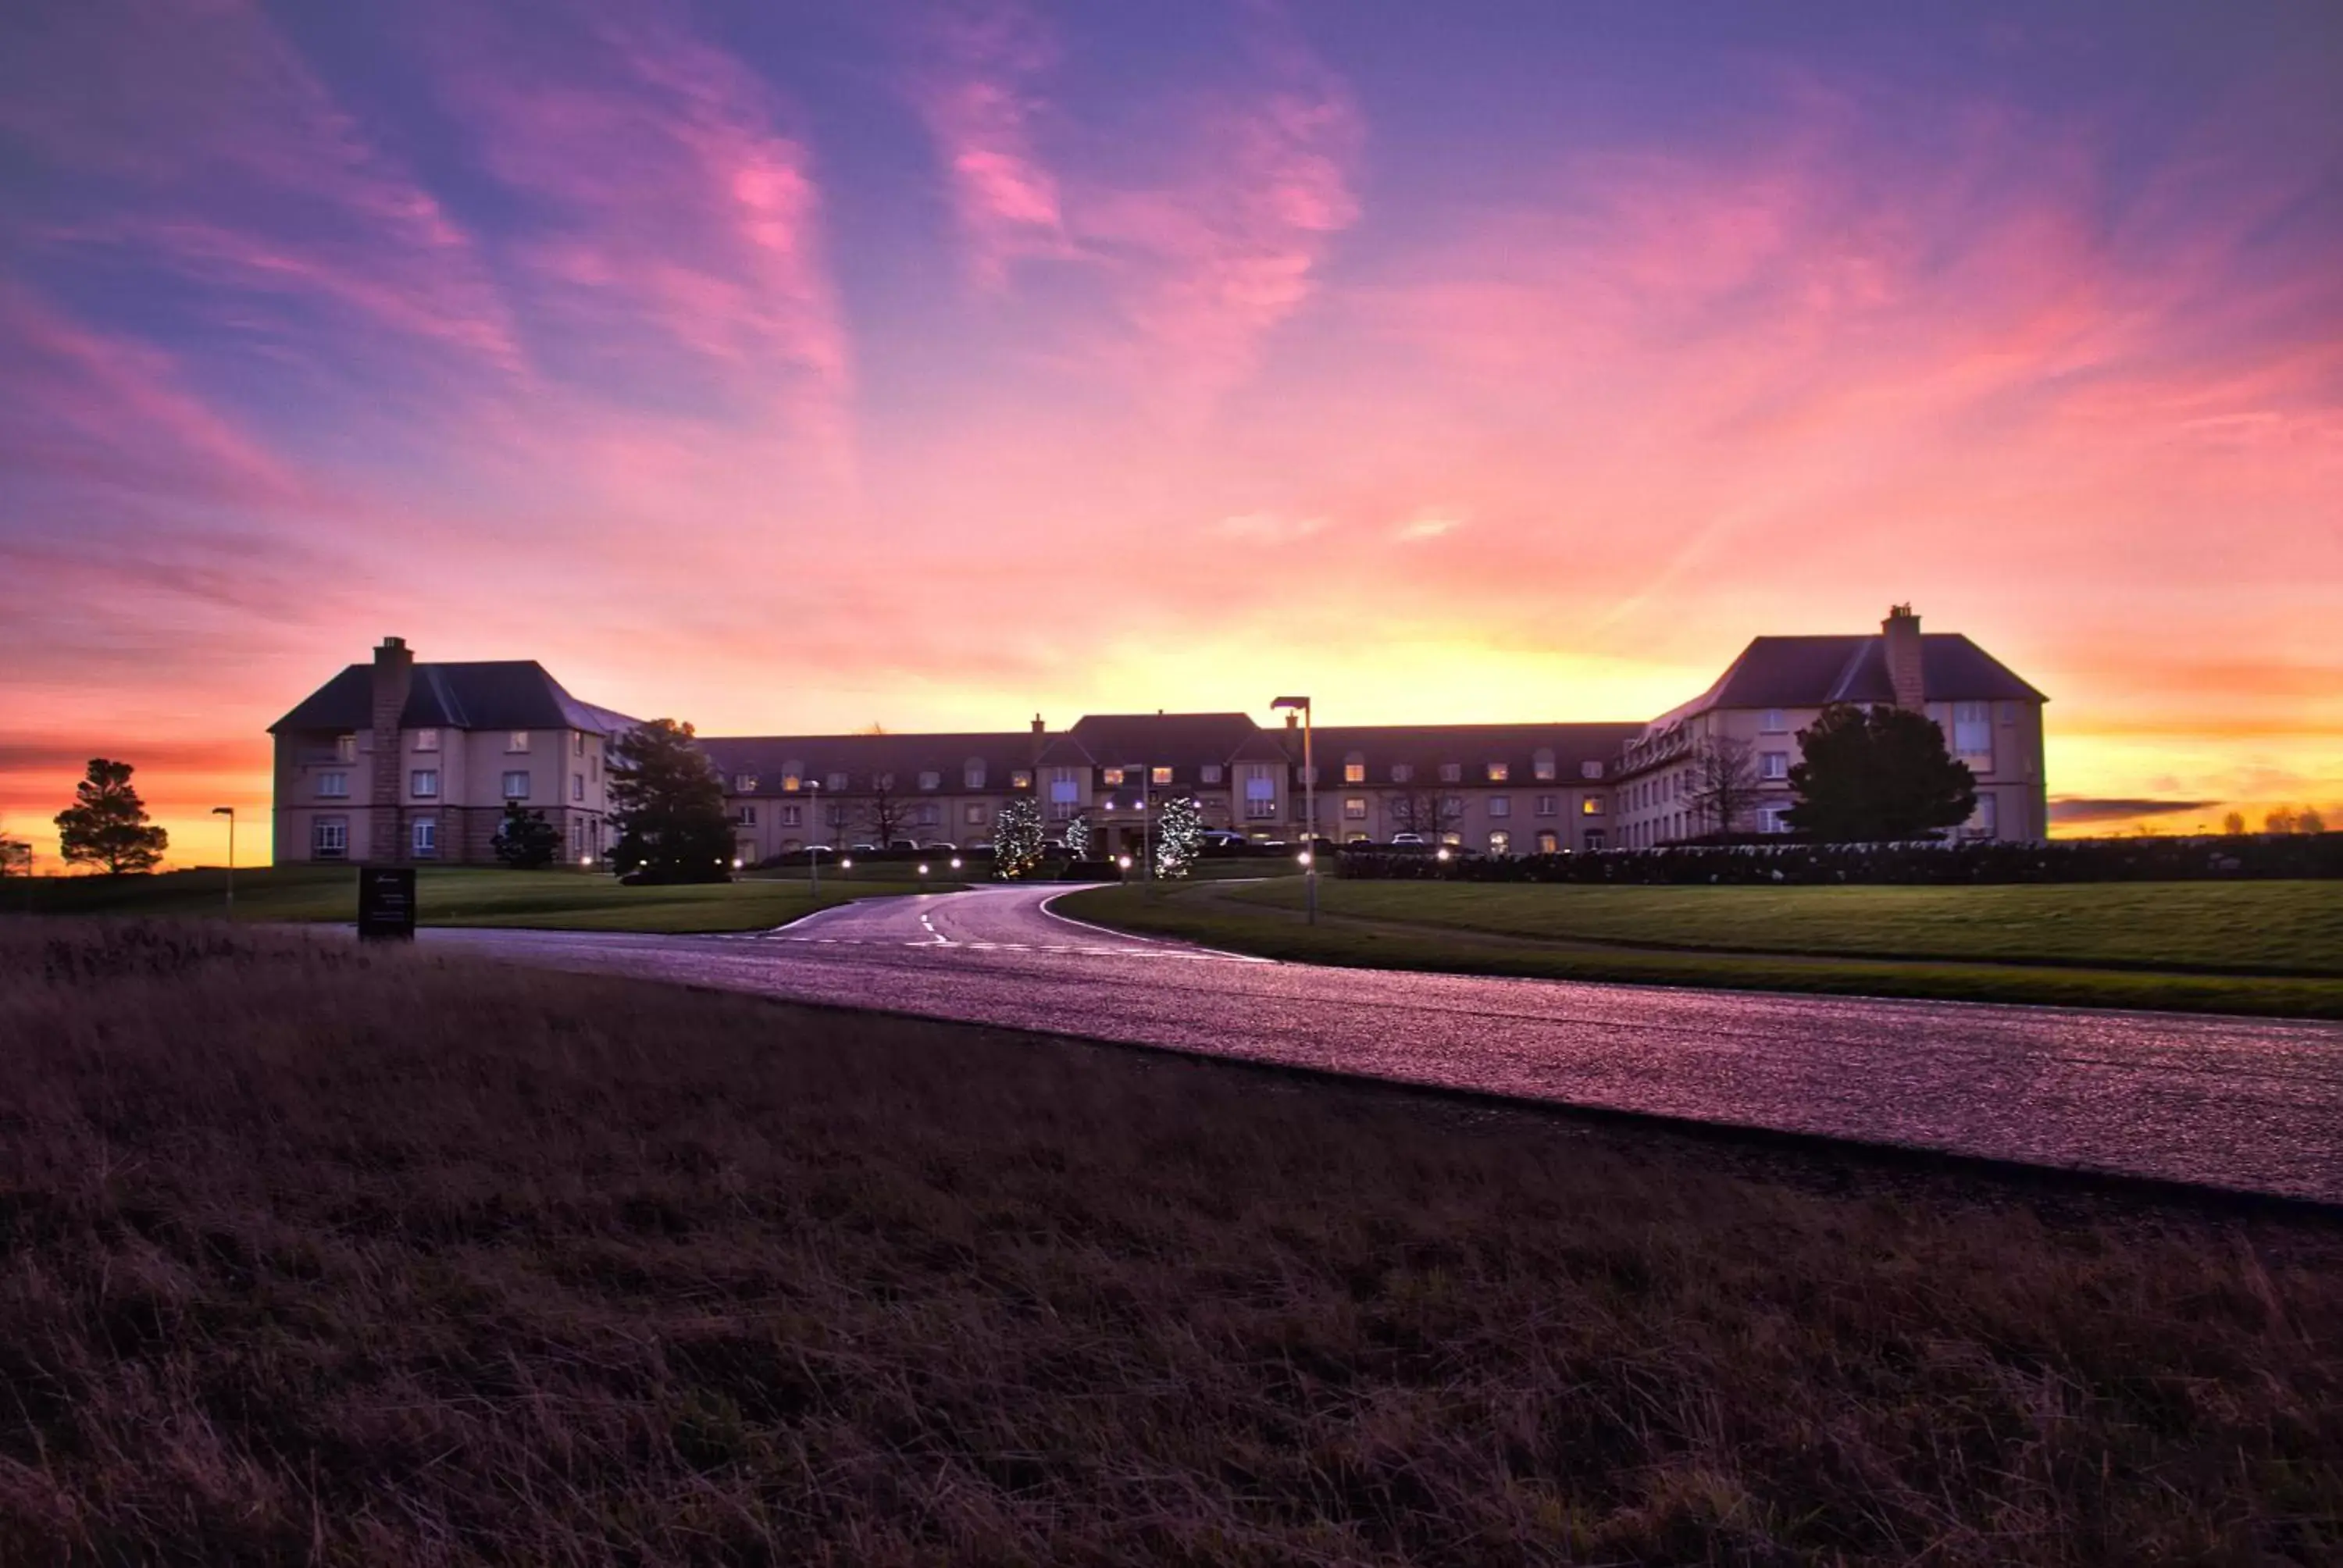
{"x": 2251, "y": 1104}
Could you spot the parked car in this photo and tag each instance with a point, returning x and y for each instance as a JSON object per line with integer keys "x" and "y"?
{"x": 1220, "y": 840}
{"x": 938, "y": 846}
{"x": 904, "y": 846}
{"x": 1413, "y": 840}
{"x": 862, "y": 849}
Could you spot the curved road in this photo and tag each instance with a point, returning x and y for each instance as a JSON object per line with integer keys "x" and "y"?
{"x": 2249, "y": 1104}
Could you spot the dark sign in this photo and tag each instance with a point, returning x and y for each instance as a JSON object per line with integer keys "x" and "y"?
{"x": 386, "y": 900}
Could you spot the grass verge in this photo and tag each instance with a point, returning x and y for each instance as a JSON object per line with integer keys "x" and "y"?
{"x": 552, "y": 899}
{"x": 1268, "y": 920}
{"x": 318, "y": 1254}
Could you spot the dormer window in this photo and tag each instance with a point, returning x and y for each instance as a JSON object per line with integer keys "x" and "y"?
{"x": 971, "y": 773}
{"x": 1590, "y": 771}
{"x": 744, "y": 783}
{"x": 1160, "y": 776}
{"x": 1021, "y": 779}
{"x": 1543, "y": 764}
{"x": 1498, "y": 772}
{"x": 1451, "y": 772}
{"x": 1401, "y": 773}
{"x": 1113, "y": 777}
{"x": 1354, "y": 768}
{"x": 929, "y": 781}
{"x": 835, "y": 782}
{"x": 1211, "y": 772}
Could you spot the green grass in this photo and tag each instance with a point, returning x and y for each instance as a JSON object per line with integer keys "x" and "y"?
{"x": 2174, "y": 945}
{"x": 318, "y": 1254}
{"x": 561, "y": 900}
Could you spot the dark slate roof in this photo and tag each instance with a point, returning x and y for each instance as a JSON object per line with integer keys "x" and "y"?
{"x": 1809, "y": 671}
{"x": 1183, "y": 742}
{"x": 861, "y": 757}
{"x": 502, "y": 694}
{"x": 1424, "y": 746}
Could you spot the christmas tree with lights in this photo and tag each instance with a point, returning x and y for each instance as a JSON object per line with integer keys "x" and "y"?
{"x": 1078, "y": 837}
{"x": 1017, "y": 838}
{"x": 1178, "y": 837}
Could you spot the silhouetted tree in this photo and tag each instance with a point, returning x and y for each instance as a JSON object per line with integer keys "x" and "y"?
{"x": 525, "y": 840}
{"x": 2234, "y": 824}
{"x": 1017, "y": 838}
{"x": 1877, "y": 775}
{"x": 15, "y": 856}
{"x": 2310, "y": 821}
{"x": 106, "y": 824}
{"x": 2279, "y": 819}
{"x": 667, "y": 804}
{"x": 886, "y": 816}
{"x": 1724, "y": 781}
{"x": 1428, "y": 810}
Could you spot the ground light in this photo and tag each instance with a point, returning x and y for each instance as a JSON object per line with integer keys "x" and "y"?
{"x": 229, "y": 812}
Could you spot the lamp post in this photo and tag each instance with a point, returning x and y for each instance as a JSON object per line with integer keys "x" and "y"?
{"x": 229, "y": 812}
{"x": 813, "y": 850}
{"x": 1310, "y": 807}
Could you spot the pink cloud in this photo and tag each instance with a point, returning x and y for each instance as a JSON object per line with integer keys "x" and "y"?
{"x": 974, "y": 89}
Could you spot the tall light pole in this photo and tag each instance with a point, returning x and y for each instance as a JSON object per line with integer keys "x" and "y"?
{"x": 1310, "y": 807}
{"x": 813, "y": 850}
{"x": 229, "y": 812}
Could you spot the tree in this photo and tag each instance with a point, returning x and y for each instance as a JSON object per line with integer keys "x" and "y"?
{"x": 2281, "y": 819}
{"x": 15, "y": 855}
{"x": 2234, "y": 824}
{"x": 106, "y": 824}
{"x": 1017, "y": 838}
{"x": 1179, "y": 836}
{"x": 1078, "y": 836}
{"x": 1876, "y": 776}
{"x": 1427, "y": 810}
{"x": 525, "y": 840}
{"x": 2312, "y": 820}
{"x": 667, "y": 804}
{"x": 886, "y": 816}
{"x": 1724, "y": 781}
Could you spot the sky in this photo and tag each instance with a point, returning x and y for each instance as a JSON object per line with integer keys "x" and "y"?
{"x": 795, "y": 368}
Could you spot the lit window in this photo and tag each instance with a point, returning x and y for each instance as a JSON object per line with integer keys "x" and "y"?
{"x": 1773, "y": 765}
{"x": 1592, "y": 806}
{"x": 1500, "y": 842}
{"x": 427, "y": 741}
{"x": 423, "y": 783}
{"x": 1543, "y": 765}
{"x": 1354, "y": 769}
{"x": 425, "y": 838}
{"x": 517, "y": 741}
{"x": 1773, "y": 722}
{"x": 791, "y": 783}
{"x": 1498, "y": 772}
{"x": 1020, "y": 779}
{"x": 1159, "y": 776}
{"x": 1549, "y": 844}
{"x": 1354, "y": 807}
{"x": 329, "y": 838}
{"x": 1501, "y": 805}
{"x": 333, "y": 786}
{"x": 1546, "y": 805}
{"x": 515, "y": 785}
{"x": 1113, "y": 777}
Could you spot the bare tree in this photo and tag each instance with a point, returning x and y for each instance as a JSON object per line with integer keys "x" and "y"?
{"x": 886, "y": 816}
{"x": 2234, "y": 824}
{"x": 1428, "y": 810}
{"x": 1724, "y": 783}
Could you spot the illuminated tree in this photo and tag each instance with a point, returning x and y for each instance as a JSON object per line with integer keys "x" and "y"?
{"x": 1179, "y": 836}
{"x": 1078, "y": 837}
{"x": 1017, "y": 838}
{"x": 106, "y": 824}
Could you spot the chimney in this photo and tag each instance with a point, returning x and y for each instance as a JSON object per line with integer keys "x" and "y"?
{"x": 394, "y": 673}
{"x": 1293, "y": 720}
{"x": 1901, "y": 632}
{"x": 1040, "y": 742}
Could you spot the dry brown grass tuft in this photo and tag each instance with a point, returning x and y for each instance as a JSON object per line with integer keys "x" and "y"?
{"x": 317, "y": 1255}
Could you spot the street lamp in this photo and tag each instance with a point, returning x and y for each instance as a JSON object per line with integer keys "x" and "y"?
{"x": 229, "y": 812}
{"x": 1310, "y": 807}
{"x": 813, "y": 853}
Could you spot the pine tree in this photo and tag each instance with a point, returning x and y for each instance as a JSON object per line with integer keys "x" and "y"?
{"x": 1017, "y": 838}
{"x": 1877, "y": 776}
{"x": 525, "y": 840}
{"x": 106, "y": 824}
{"x": 1178, "y": 837}
{"x": 668, "y": 806}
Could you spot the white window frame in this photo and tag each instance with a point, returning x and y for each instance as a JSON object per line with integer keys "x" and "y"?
{"x": 517, "y": 741}
{"x": 507, "y": 784}
{"x": 423, "y": 783}
{"x": 423, "y": 837}
{"x": 329, "y": 838}
{"x": 1773, "y": 766}
{"x": 427, "y": 741}
{"x": 1501, "y": 806}
{"x": 334, "y": 785}
{"x": 1773, "y": 721}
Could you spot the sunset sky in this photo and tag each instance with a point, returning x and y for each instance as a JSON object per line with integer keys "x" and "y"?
{"x": 798, "y": 367}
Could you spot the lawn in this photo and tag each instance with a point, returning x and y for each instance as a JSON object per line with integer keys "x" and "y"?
{"x": 561, "y": 900}
{"x": 2268, "y": 949}
{"x": 318, "y": 1254}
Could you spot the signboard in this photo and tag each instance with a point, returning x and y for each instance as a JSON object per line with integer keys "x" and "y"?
{"x": 386, "y": 901}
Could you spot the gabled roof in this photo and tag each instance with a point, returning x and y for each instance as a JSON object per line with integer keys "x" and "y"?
{"x": 1809, "y": 671}
{"x": 501, "y": 694}
{"x": 861, "y": 757}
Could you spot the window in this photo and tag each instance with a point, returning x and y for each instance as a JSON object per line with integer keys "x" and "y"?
{"x": 578, "y": 743}
{"x": 1454, "y": 840}
{"x": 1451, "y": 772}
{"x": 1211, "y": 772}
{"x": 1501, "y": 805}
{"x": 744, "y": 783}
{"x": 1983, "y": 822}
{"x": 578, "y": 787}
{"x": 1401, "y": 773}
{"x": 1773, "y": 722}
{"x": 792, "y": 815}
{"x": 929, "y": 814}
{"x": 1113, "y": 777}
{"x": 1500, "y": 842}
{"x": 515, "y": 785}
{"x": 1307, "y": 775}
{"x": 1499, "y": 772}
{"x": 882, "y": 780}
{"x": 1591, "y": 806}
{"x": 746, "y": 816}
{"x": 793, "y": 780}
{"x": 1453, "y": 806}
{"x": 1773, "y": 765}
{"x": 1546, "y": 805}
{"x": 1594, "y": 838}
{"x": 333, "y": 786}
{"x": 1973, "y": 734}
{"x": 1772, "y": 819}
{"x": 971, "y": 774}
{"x": 329, "y": 838}
{"x": 1159, "y": 776}
{"x": 972, "y": 814}
{"x": 423, "y": 783}
{"x": 1590, "y": 771}
{"x": 345, "y": 747}
{"x": 929, "y": 779}
{"x": 427, "y": 741}
{"x": 1541, "y": 764}
{"x": 835, "y": 782}
{"x": 1064, "y": 788}
{"x": 1549, "y": 842}
{"x": 1354, "y": 769}
{"x": 1354, "y": 808}
{"x": 517, "y": 741}
{"x": 1261, "y": 791}
{"x": 2009, "y": 714}
{"x": 1022, "y": 778}
{"x": 425, "y": 838}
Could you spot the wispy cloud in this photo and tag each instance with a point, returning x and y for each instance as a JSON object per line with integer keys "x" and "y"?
{"x": 973, "y": 84}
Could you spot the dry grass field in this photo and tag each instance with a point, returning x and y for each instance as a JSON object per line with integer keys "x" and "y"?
{"x": 316, "y": 1255}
